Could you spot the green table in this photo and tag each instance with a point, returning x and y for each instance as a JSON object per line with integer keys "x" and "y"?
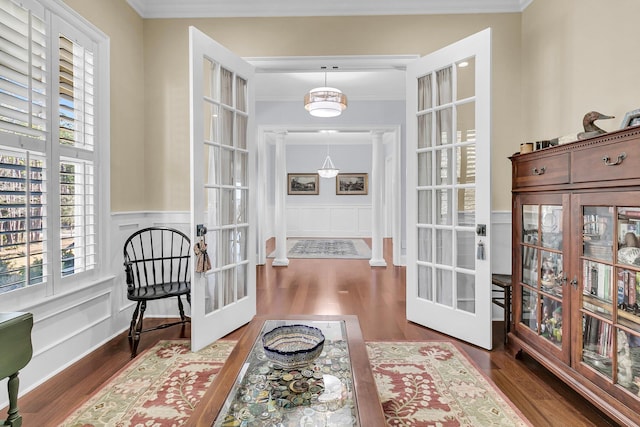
{"x": 15, "y": 341}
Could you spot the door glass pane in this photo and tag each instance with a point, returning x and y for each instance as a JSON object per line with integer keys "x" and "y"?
{"x": 628, "y": 298}
{"x": 598, "y": 232}
{"x": 227, "y": 209}
{"x": 241, "y": 131}
{"x": 241, "y": 94}
{"x": 424, "y": 244}
{"x": 425, "y": 285}
{"x": 212, "y": 297}
{"x": 424, "y": 169}
{"x": 551, "y": 274}
{"x": 241, "y": 244}
{"x": 529, "y": 309}
{"x": 444, "y": 287}
{"x": 211, "y": 87}
{"x": 530, "y": 266}
{"x": 443, "y": 206}
{"x": 628, "y": 236}
{"x": 466, "y": 122}
{"x": 226, "y": 87}
{"x": 424, "y": 207}
{"x": 628, "y": 357}
{"x": 466, "y": 291}
{"x": 551, "y": 226}
{"x": 212, "y": 200}
{"x": 213, "y": 242}
{"x": 597, "y": 296}
{"x": 444, "y": 238}
{"x": 466, "y": 249}
{"x": 444, "y": 167}
{"x": 211, "y": 121}
{"x": 242, "y": 279}
{"x": 530, "y": 224}
{"x": 551, "y": 326}
{"x": 424, "y": 131}
{"x": 467, "y": 206}
{"x": 466, "y": 164}
{"x": 240, "y": 175}
{"x": 227, "y": 127}
{"x": 228, "y": 285}
{"x": 241, "y": 206}
{"x": 443, "y": 86}
{"x": 444, "y": 127}
{"x": 424, "y": 92}
{"x": 225, "y": 248}
{"x": 466, "y": 77}
{"x": 226, "y": 167}
{"x": 597, "y": 344}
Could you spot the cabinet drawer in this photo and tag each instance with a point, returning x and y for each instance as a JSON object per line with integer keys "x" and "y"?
{"x": 606, "y": 162}
{"x": 542, "y": 171}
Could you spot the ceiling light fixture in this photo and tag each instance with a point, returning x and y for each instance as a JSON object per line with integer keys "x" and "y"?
{"x": 328, "y": 169}
{"x": 325, "y": 101}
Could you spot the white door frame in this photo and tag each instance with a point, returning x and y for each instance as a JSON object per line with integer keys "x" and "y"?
{"x": 392, "y": 136}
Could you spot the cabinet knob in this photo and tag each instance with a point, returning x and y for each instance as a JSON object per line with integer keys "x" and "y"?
{"x": 574, "y": 282}
{"x": 607, "y": 159}
{"x": 540, "y": 171}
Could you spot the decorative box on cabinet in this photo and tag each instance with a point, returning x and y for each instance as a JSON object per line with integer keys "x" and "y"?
{"x": 576, "y": 266}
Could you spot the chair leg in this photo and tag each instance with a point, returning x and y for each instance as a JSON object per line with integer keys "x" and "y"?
{"x": 138, "y": 329}
{"x": 181, "y": 308}
{"x": 132, "y": 327}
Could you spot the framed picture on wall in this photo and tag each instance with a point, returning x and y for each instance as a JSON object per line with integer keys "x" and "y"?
{"x": 352, "y": 183}
{"x": 303, "y": 183}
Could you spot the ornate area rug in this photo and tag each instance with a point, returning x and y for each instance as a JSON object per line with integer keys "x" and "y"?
{"x": 327, "y": 248}
{"x": 419, "y": 383}
{"x": 434, "y": 384}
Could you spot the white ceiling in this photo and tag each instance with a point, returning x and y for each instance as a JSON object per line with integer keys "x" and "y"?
{"x": 256, "y": 8}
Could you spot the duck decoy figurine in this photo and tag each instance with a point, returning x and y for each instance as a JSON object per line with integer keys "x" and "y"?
{"x": 590, "y": 129}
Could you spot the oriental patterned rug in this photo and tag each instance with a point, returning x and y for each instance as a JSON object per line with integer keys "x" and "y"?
{"x": 327, "y": 248}
{"x": 419, "y": 383}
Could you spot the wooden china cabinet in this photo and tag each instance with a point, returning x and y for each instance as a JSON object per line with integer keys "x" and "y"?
{"x": 576, "y": 266}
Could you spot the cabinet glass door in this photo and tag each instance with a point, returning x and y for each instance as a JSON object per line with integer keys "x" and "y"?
{"x": 610, "y": 275}
{"x": 542, "y": 272}
{"x": 627, "y": 296}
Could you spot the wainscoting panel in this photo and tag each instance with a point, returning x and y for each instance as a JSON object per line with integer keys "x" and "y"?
{"x": 329, "y": 221}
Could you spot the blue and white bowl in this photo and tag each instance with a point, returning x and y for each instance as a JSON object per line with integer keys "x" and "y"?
{"x": 293, "y": 346}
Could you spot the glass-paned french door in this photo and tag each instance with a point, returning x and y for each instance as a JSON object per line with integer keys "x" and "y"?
{"x": 448, "y": 278}
{"x": 223, "y": 298}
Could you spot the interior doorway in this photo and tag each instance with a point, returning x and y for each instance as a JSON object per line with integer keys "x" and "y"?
{"x": 312, "y": 138}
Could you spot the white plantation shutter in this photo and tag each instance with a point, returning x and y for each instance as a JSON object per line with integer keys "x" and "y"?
{"x": 23, "y": 90}
{"x": 48, "y": 146}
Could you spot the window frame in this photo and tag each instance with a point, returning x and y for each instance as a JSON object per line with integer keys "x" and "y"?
{"x": 60, "y": 19}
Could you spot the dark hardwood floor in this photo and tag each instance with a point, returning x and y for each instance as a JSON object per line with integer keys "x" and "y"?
{"x": 306, "y": 286}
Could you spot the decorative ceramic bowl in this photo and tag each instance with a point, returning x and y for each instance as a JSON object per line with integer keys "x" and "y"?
{"x": 293, "y": 346}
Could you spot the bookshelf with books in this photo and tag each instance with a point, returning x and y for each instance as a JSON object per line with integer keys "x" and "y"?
{"x": 576, "y": 266}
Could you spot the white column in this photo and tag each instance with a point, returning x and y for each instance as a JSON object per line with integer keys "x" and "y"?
{"x": 377, "y": 188}
{"x": 280, "y": 216}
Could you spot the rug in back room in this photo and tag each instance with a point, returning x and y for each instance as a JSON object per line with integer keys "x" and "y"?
{"x": 419, "y": 383}
{"x": 327, "y": 248}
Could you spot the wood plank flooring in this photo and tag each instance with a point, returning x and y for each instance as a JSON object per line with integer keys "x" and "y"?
{"x": 330, "y": 286}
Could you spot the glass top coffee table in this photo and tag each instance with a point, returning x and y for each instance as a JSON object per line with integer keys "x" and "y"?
{"x": 336, "y": 389}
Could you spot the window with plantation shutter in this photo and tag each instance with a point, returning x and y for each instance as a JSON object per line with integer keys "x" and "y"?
{"x": 49, "y": 170}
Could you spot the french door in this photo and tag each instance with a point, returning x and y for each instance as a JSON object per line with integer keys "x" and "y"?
{"x": 223, "y": 298}
{"x": 449, "y": 197}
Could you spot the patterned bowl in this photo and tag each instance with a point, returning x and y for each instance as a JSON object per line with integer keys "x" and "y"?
{"x": 293, "y": 346}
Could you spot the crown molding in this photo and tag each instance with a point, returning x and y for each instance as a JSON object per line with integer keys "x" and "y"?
{"x": 288, "y": 8}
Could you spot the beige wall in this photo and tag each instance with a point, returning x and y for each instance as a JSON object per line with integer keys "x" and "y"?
{"x": 149, "y": 79}
{"x": 578, "y": 56}
{"x": 166, "y": 76}
{"x": 125, "y": 30}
